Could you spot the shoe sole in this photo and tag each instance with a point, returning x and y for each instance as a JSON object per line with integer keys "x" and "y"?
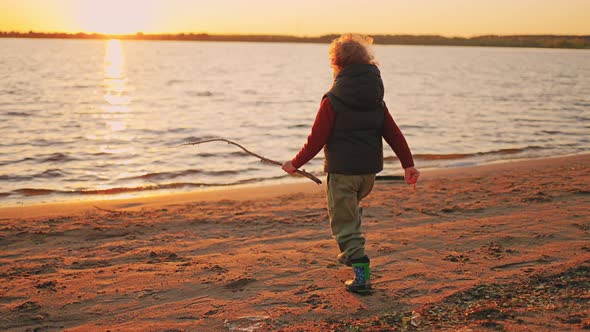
{"x": 360, "y": 291}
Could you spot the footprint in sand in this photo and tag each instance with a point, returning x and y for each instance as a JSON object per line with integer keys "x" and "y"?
{"x": 239, "y": 284}
{"x": 27, "y": 306}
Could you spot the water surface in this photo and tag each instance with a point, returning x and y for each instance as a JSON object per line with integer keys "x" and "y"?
{"x": 87, "y": 117}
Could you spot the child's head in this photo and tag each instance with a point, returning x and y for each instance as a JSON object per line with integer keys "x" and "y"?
{"x": 350, "y": 49}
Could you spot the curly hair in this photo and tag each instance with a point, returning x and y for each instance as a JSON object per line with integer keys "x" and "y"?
{"x": 351, "y": 49}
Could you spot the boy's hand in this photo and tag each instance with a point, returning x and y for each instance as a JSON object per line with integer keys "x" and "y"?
{"x": 411, "y": 175}
{"x": 288, "y": 167}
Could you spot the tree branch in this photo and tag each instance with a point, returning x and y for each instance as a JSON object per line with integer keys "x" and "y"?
{"x": 105, "y": 210}
{"x": 264, "y": 159}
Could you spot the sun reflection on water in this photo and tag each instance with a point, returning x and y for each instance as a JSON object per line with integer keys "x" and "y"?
{"x": 115, "y": 80}
{"x": 114, "y": 59}
{"x": 117, "y": 106}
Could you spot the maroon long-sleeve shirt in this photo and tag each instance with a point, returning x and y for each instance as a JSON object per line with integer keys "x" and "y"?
{"x": 322, "y": 129}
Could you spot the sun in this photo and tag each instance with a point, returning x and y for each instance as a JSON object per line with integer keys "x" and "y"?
{"x": 114, "y": 16}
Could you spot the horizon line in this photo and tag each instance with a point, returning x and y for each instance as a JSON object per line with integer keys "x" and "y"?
{"x": 141, "y": 33}
{"x": 533, "y": 41}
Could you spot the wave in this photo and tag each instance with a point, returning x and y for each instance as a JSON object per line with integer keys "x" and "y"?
{"x": 199, "y": 93}
{"x": 57, "y": 157}
{"x": 15, "y": 178}
{"x": 581, "y": 103}
{"x": 51, "y": 173}
{"x": 18, "y": 161}
{"x": 456, "y": 156}
{"x": 81, "y": 86}
{"x": 60, "y": 157}
{"x": 174, "y": 81}
{"x": 33, "y": 191}
{"x": 188, "y": 172}
{"x": 19, "y": 114}
{"x": 100, "y": 154}
{"x": 47, "y": 174}
{"x": 27, "y": 192}
{"x": 298, "y": 126}
{"x": 163, "y": 175}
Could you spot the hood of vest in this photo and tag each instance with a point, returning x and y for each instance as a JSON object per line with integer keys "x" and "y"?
{"x": 357, "y": 87}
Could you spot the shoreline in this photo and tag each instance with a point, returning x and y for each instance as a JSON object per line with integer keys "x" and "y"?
{"x": 235, "y": 191}
{"x": 500, "y": 246}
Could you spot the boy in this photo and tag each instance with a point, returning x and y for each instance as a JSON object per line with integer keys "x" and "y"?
{"x": 349, "y": 125}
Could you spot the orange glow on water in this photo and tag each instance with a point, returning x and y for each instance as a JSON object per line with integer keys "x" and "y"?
{"x": 114, "y": 80}
{"x": 116, "y": 109}
{"x": 114, "y": 59}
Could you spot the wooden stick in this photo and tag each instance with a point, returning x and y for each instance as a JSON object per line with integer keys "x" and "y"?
{"x": 105, "y": 210}
{"x": 266, "y": 160}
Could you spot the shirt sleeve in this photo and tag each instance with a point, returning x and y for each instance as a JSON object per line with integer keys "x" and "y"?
{"x": 396, "y": 140}
{"x": 320, "y": 133}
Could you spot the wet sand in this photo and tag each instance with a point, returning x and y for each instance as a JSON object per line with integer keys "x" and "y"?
{"x": 502, "y": 246}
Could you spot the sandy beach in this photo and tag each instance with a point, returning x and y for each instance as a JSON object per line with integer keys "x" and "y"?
{"x": 497, "y": 247}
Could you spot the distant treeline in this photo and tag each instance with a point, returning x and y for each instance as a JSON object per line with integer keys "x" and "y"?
{"x": 545, "y": 41}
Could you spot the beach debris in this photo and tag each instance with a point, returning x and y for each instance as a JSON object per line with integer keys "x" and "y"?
{"x": 494, "y": 250}
{"x": 456, "y": 257}
{"x": 415, "y": 319}
{"x": 263, "y": 159}
{"x": 163, "y": 256}
{"x": 405, "y": 321}
{"x": 246, "y": 323}
{"x": 489, "y": 305}
{"x": 47, "y": 285}
{"x": 216, "y": 268}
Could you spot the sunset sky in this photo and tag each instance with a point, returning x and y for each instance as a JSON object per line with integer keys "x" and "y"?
{"x": 301, "y": 17}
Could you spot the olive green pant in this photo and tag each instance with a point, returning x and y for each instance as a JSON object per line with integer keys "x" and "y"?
{"x": 344, "y": 194}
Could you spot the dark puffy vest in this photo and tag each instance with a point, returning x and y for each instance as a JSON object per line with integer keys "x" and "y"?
{"x": 355, "y": 146}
